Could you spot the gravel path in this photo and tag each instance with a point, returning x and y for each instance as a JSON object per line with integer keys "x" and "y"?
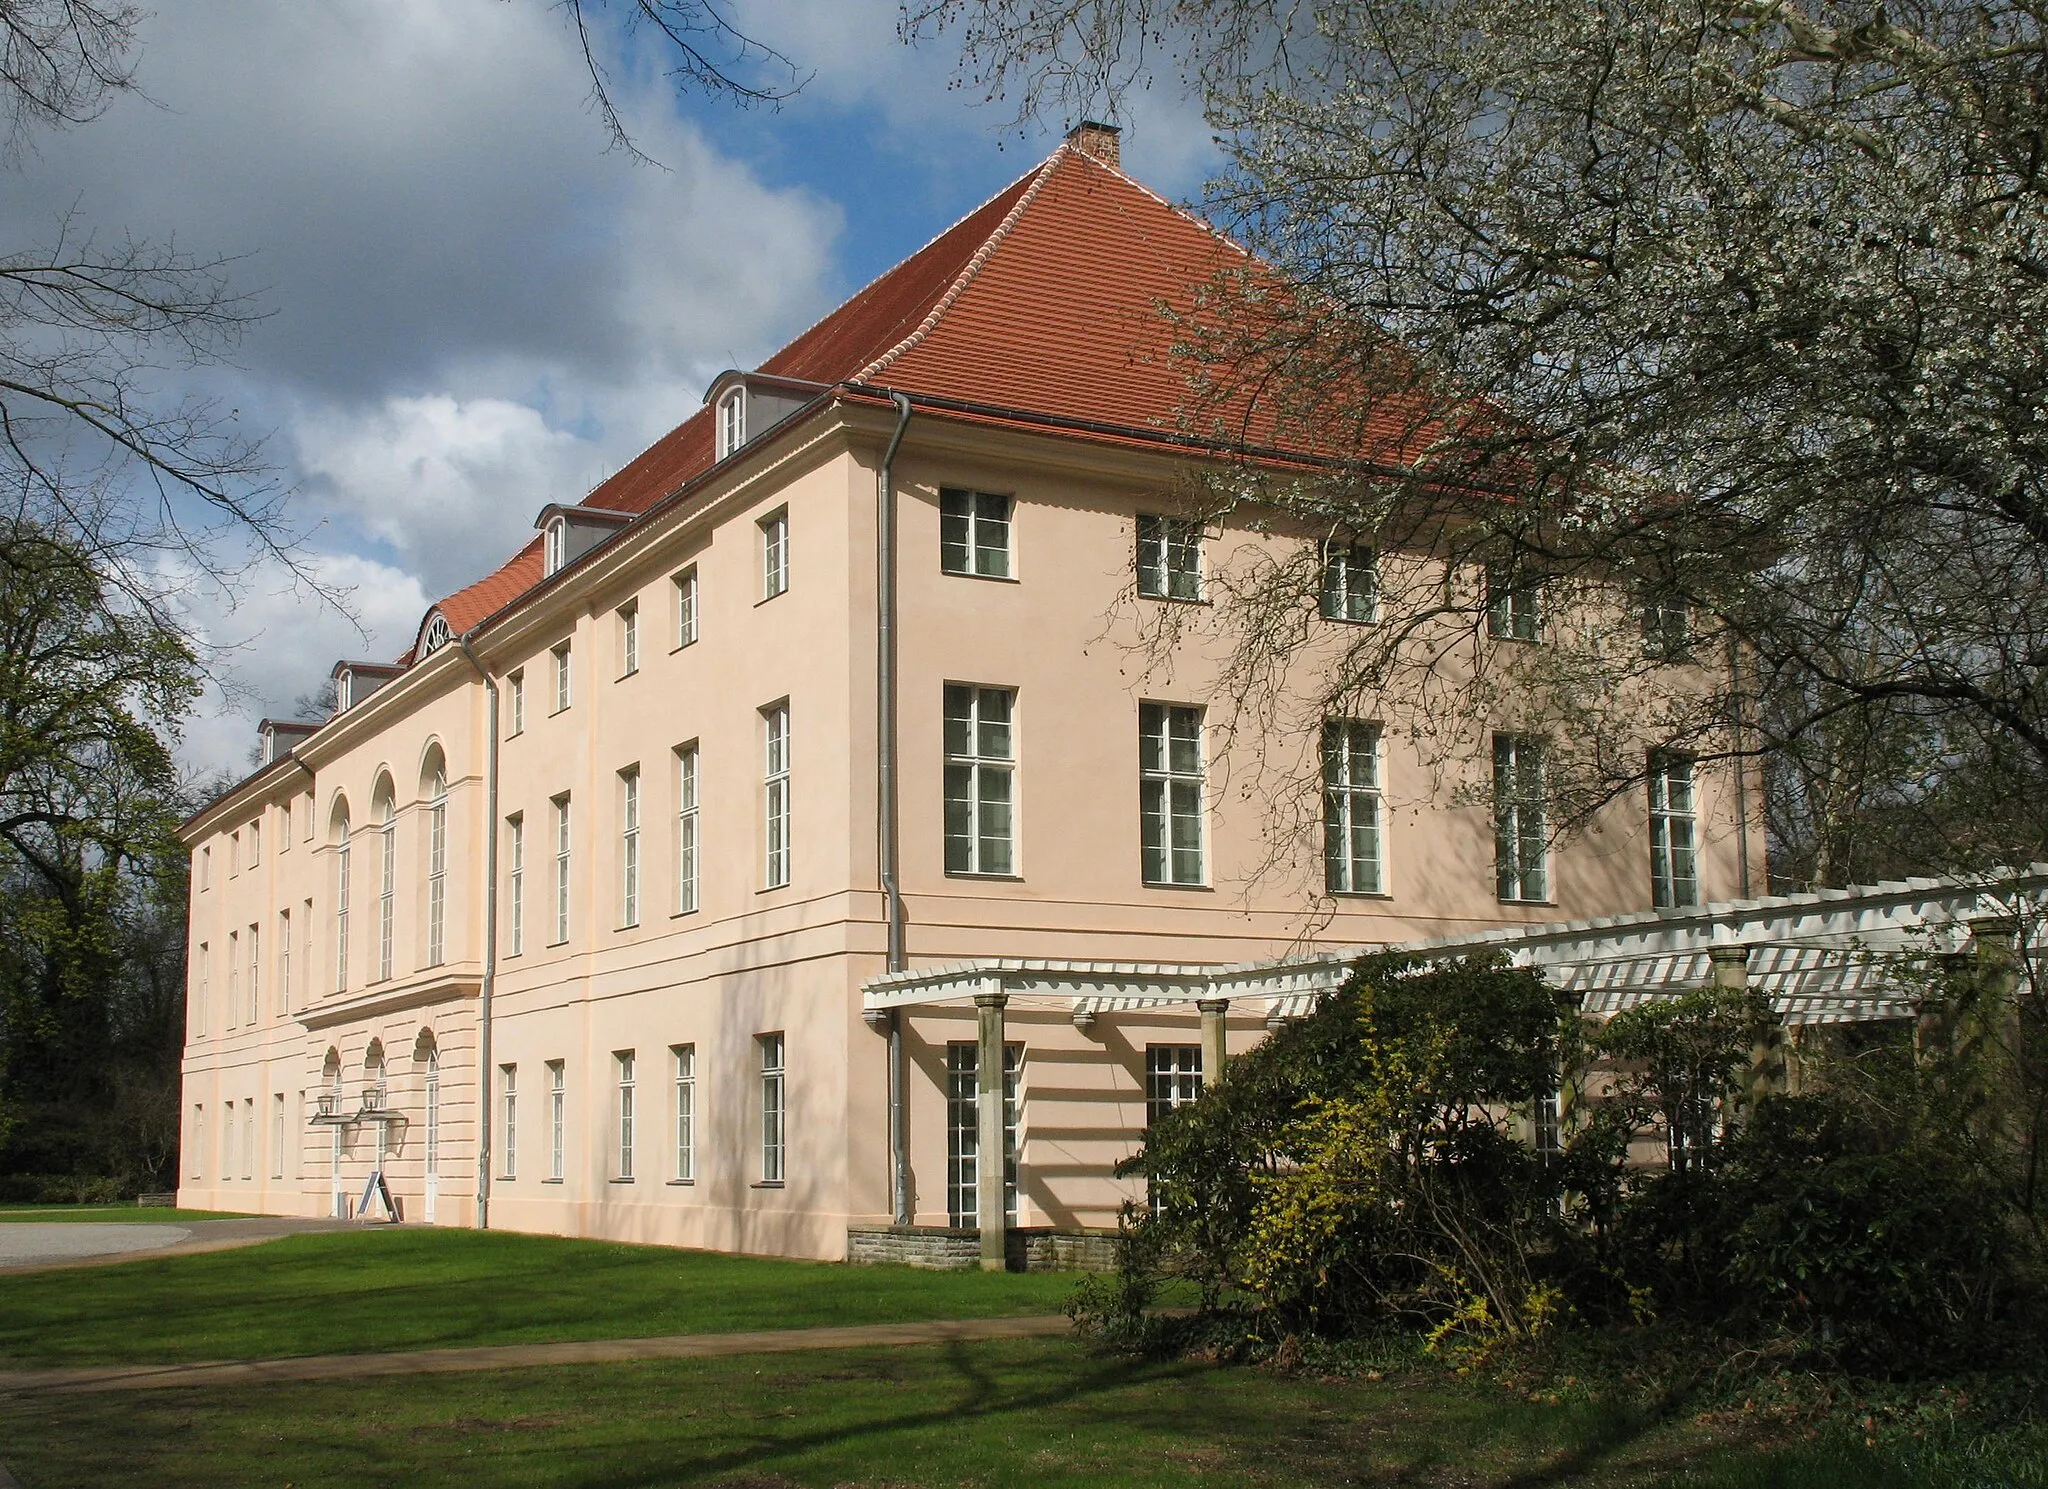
{"x": 27, "y": 1242}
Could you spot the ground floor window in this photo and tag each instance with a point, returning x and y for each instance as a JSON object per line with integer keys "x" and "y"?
{"x": 963, "y": 1131}
{"x": 772, "y": 1108}
{"x": 1173, "y": 1078}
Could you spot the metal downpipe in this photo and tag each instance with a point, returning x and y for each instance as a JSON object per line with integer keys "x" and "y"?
{"x": 885, "y": 762}
{"x": 490, "y": 959}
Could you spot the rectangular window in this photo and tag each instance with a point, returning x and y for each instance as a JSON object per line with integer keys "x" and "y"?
{"x": 196, "y": 1164}
{"x": 558, "y": 1114}
{"x": 284, "y": 963}
{"x": 1521, "y": 834}
{"x": 686, "y": 607}
{"x": 1667, "y": 627}
{"x": 629, "y": 846}
{"x": 980, "y": 764}
{"x": 562, "y": 675}
{"x": 234, "y": 862}
{"x": 629, "y": 638}
{"x": 277, "y": 1136}
{"x": 974, "y": 533}
{"x": 1351, "y": 586}
{"x": 249, "y": 1138}
{"x": 623, "y": 1065}
{"x": 255, "y": 975}
{"x": 387, "y": 896}
{"x": 686, "y": 829}
{"x": 515, "y": 884}
{"x": 199, "y": 1003}
{"x": 685, "y": 1112}
{"x": 234, "y": 1007}
{"x": 561, "y": 804}
{"x": 206, "y": 867}
{"x": 1351, "y": 807}
{"x": 732, "y": 422}
{"x": 1674, "y": 829}
{"x": 306, "y": 826}
{"x": 775, "y": 797}
{"x": 284, "y": 827}
{"x": 306, "y": 933}
{"x": 772, "y": 1135}
{"x": 1170, "y": 789}
{"x": 1512, "y": 604}
{"x": 515, "y": 706}
{"x": 341, "y": 889}
{"x": 963, "y": 1131}
{"x": 1173, "y": 1078}
{"x": 437, "y": 876}
{"x": 1169, "y": 558}
{"x": 508, "y": 1121}
{"x": 255, "y": 844}
{"x": 227, "y": 1139}
{"x": 774, "y": 554}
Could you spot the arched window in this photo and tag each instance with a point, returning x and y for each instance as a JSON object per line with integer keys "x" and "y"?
{"x": 341, "y": 876}
{"x": 555, "y": 545}
{"x": 436, "y": 635}
{"x": 387, "y": 883}
{"x": 437, "y": 867}
{"x": 732, "y": 422}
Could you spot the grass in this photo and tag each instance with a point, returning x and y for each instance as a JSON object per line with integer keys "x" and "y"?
{"x": 1023, "y": 1412}
{"x": 349, "y": 1291}
{"x": 126, "y": 1214}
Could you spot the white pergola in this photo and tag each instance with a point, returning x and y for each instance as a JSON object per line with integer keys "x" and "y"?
{"x": 1828, "y": 957}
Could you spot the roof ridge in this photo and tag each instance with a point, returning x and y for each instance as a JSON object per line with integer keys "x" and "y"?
{"x": 1178, "y": 209}
{"x": 972, "y": 268}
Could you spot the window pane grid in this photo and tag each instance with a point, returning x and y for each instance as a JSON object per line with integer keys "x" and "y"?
{"x": 437, "y": 874}
{"x": 1350, "y": 583}
{"x": 1351, "y": 807}
{"x": 686, "y": 608}
{"x": 629, "y": 848}
{"x": 979, "y": 780}
{"x": 776, "y": 807}
{"x": 771, "y": 1109}
{"x": 515, "y": 888}
{"x": 561, "y": 869}
{"x": 1170, "y": 793}
{"x": 1511, "y": 605}
{"x": 686, "y": 830}
{"x": 1521, "y": 828}
{"x": 558, "y": 1100}
{"x": 1674, "y": 826}
{"x": 1169, "y": 558}
{"x": 963, "y": 1131}
{"x": 625, "y": 1156}
{"x": 508, "y": 1148}
{"x": 974, "y": 533}
{"x": 686, "y": 1112}
{"x": 774, "y": 555}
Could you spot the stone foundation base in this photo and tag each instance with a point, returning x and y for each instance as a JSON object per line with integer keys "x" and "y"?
{"x": 947, "y": 1249}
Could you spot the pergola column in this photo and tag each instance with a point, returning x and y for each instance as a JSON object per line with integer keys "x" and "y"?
{"x": 1730, "y": 974}
{"x": 1214, "y": 1050}
{"x": 990, "y": 1155}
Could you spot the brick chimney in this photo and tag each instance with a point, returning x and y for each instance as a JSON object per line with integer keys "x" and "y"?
{"x": 1098, "y": 140}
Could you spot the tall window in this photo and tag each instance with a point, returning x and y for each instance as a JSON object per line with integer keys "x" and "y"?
{"x": 623, "y": 1064}
{"x": 1674, "y": 827}
{"x": 234, "y": 862}
{"x": 437, "y": 871}
{"x": 1351, "y": 588}
{"x": 1521, "y": 835}
{"x": 1169, "y": 558}
{"x": 686, "y": 607}
{"x": 284, "y": 963}
{"x": 198, "y": 1139}
{"x": 249, "y": 1138}
{"x": 1512, "y": 604}
{"x": 1170, "y": 792}
{"x": 558, "y": 1114}
{"x": 1351, "y": 807}
{"x": 341, "y": 878}
{"x": 227, "y": 1139}
{"x": 629, "y": 846}
{"x": 1667, "y": 627}
{"x": 255, "y": 974}
{"x": 770, "y": 1046}
{"x": 732, "y": 422}
{"x": 255, "y": 844}
{"x": 387, "y": 890}
{"x": 561, "y": 804}
{"x": 206, "y": 867}
{"x": 974, "y": 533}
{"x": 685, "y": 1111}
{"x": 775, "y": 797}
{"x": 562, "y": 674}
{"x": 277, "y": 1135}
{"x": 980, "y": 761}
{"x": 306, "y": 823}
{"x": 963, "y": 1131}
{"x": 234, "y": 1008}
{"x": 508, "y": 1121}
{"x": 516, "y": 702}
{"x": 554, "y": 545}
{"x": 199, "y": 1009}
{"x": 686, "y": 829}
{"x": 515, "y": 884}
{"x": 284, "y": 827}
{"x": 774, "y": 554}
{"x": 629, "y": 638}
{"x": 1173, "y": 1078}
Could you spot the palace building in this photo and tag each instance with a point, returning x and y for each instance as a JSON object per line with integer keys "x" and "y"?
{"x": 801, "y": 820}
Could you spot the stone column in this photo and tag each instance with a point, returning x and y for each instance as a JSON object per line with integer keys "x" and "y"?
{"x": 988, "y": 1095}
{"x": 1730, "y": 974}
{"x": 1214, "y": 1049}
{"x": 1988, "y": 1036}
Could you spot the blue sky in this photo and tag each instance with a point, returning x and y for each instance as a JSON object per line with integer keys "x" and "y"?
{"x": 476, "y": 307}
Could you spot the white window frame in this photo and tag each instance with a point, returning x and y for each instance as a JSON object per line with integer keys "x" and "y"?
{"x": 1350, "y": 583}
{"x": 387, "y": 893}
{"x": 255, "y": 843}
{"x": 437, "y": 871}
{"x": 774, "y": 553}
{"x": 732, "y": 421}
{"x": 975, "y": 533}
{"x": 1514, "y": 605}
{"x": 234, "y": 980}
{"x": 1667, "y": 627}
{"x": 979, "y": 733}
{"x": 284, "y": 825}
{"x": 515, "y": 683}
{"x": 563, "y": 865}
{"x": 623, "y": 1111}
{"x": 565, "y": 692}
{"x": 205, "y": 971}
{"x": 284, "y": 963}
{"x": 508, "y": 1121}
{"x": 515, "y": 886}
{"x": 558, "y": 1118}
{"x": 196, "y": 1166}
{"x": 775, "y": 796}
{"x": 277, "y": 1135}
{"x": 1674, "y": 832}
{"x": 1172, "y": 792}
{"x": 629, "y": 638}
{"x": 772, "y": 1051}
{"x": 342, "y": 875}
{"x": 1521, "y": 827}
{"x": 256, "y": 973}
{"x": 683, "y": 1112}
{"x": 554, "y": 546}
{"x": 1354, "y": 837}
{"x": 963, "y": 1130}
{"x": 689, "y": 845}
{"x": 629, "y": 847}
{"x": 1169, "y": 558}
{"x": 686, "y": 600}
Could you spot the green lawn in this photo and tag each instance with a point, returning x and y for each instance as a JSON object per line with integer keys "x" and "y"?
{"x": 1026, "y": 1412}
{"x": 350, "y": 1291}
{"x": 113, "y": 1213}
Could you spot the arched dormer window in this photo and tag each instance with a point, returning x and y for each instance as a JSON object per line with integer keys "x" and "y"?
{"x": 732, "y": 421}
{"x": 555, "y": 546}
{"x": 436, "y": 635}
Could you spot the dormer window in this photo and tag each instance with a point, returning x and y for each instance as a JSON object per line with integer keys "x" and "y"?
{"x": 436, "y": 636}
{"x": 555, "y": 547}
{"x": 344, "y": 689}
{"x": 732, "y": 421}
